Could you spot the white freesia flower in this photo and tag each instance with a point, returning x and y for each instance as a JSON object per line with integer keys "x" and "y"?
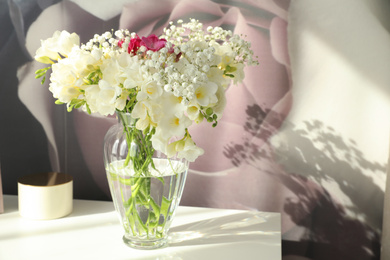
{"x": 140, "y": 109}
{"x": 92, "y": 98}
{"x": 68, "y": 74}
{"x": 238, "y": 73}
{"x": 83, "y": 61}
{"x": 147, "y": 113}
{"x": 121, "y": 98}
{"x": 193, "y": 111}
{"x": 173, "y": 124}
{"x": 133, "y": 74}
{"x": 190, "y": 151}
{"x": 216, "y": 75}
{"x": 223, "y": 50}
{"x": 152, "y": 90}
{"x": 171, "y": 104}
{"x": 101, "y": 98}
{"x": 111, "y": 71}
{"x": 108, "y": 93}
{"x": 205, "y": 94}
{"x": 221, "y": 104}
{"x": 65, "y": 93}
{"x": 160, "y": 143}
{"x": 56, "y": 47}
{"x": 184, "y": 148}
{"x": 64, "y": 82}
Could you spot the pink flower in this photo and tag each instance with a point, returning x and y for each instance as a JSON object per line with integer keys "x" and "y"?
{"x": 153, "y": 43}
{"x": 134, "y": 45}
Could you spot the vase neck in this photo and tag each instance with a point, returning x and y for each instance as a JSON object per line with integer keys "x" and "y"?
{"x": 125, "y": 118}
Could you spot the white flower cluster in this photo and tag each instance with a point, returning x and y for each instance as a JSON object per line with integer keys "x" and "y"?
{"x": 166, "y": 83}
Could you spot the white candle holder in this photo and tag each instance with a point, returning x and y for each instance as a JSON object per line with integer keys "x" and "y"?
{"x": 45, "y": 196}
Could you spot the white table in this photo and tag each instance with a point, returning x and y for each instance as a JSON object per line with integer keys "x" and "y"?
{"x": 93, "y": 231}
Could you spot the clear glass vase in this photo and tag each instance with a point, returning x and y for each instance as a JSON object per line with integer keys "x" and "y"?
{"x": 145, "y": 186}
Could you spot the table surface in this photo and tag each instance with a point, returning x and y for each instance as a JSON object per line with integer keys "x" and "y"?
{"x": 93, "y": 231}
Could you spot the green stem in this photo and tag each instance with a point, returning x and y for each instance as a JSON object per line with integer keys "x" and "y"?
{"x": 141, "y": 182}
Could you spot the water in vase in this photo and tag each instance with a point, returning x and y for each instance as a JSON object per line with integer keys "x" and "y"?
{"x": 146, "y": 202}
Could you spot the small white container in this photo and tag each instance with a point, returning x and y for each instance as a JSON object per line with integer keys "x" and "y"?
{"x": 45, "y": 196}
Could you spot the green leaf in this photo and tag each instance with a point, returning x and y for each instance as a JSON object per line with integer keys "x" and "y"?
{"x": 165, "y": 203}
{"x": 79, "y": 104}
{"x": 42, "y": 73}
{"x": 155, "y": 207}
{"x": 88, "y": 109}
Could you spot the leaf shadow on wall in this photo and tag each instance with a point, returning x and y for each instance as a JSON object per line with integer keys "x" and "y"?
{"x": 306, "y": 160}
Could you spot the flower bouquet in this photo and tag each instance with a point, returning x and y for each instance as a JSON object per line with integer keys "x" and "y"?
{"x": 158, "y": 87}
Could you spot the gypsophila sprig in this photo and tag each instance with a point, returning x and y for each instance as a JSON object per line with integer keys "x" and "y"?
{"x": 165, "y": 82}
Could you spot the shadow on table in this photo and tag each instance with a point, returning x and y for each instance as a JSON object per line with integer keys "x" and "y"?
{"x": 240, "y": 227}
{"x": 248, "y": 235}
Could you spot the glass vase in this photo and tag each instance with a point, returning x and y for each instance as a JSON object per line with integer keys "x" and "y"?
{"x": 145, "y": 185}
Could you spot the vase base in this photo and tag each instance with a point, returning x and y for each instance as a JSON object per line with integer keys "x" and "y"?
{"x": 145, "y": 244}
